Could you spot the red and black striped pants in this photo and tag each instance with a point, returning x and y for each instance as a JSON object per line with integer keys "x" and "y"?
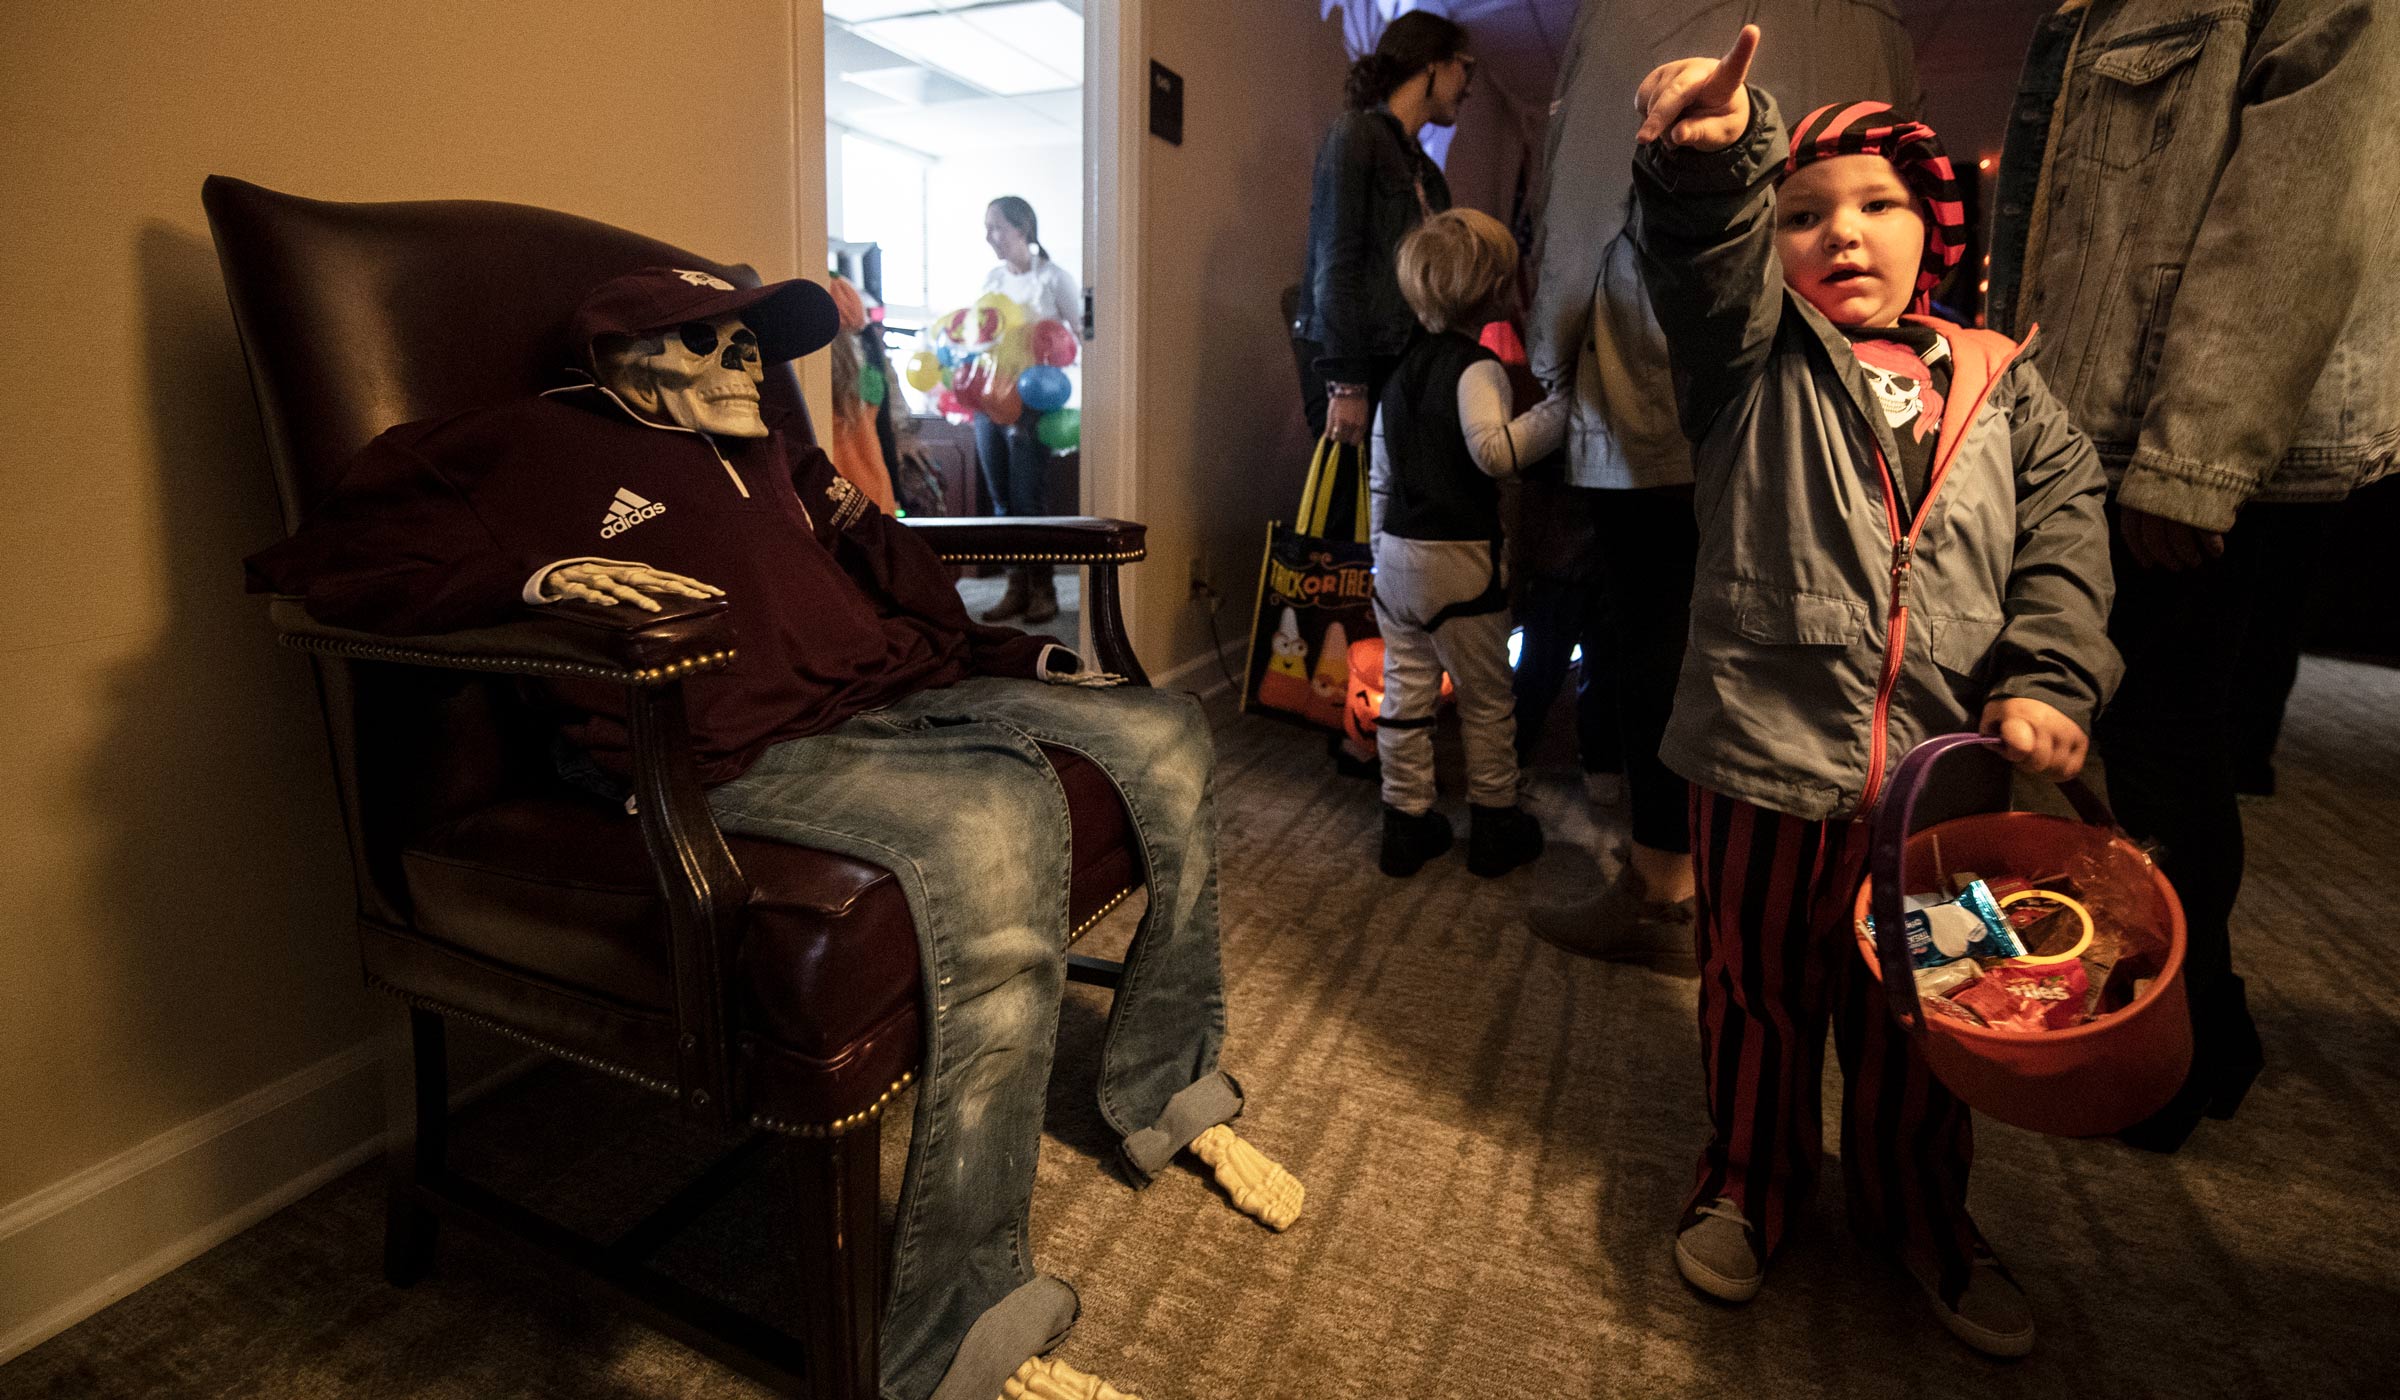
{"x": 1777, "y": 960}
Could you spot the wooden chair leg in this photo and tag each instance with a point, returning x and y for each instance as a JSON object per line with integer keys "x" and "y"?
{"x": 841, "y": 1249}
{"x": 416, "y": 1143}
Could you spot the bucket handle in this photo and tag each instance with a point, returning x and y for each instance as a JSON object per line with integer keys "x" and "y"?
{"x": 1887, "y": 853}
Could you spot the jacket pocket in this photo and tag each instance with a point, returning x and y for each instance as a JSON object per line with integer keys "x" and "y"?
{"x": 1776, "y": 616}
{"x": 1963, "y": 645}
{"x": 2137, "y": 85}
{"x": 2165, "y": 280}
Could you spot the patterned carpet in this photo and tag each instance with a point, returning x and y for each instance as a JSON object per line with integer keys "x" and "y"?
{"x": 1495, "y": 1139}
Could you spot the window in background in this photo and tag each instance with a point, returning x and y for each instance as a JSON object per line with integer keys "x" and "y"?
{"x": 883, "y": 202}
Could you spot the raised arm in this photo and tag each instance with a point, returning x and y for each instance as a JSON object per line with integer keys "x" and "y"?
{"x": 1703, "y": 225}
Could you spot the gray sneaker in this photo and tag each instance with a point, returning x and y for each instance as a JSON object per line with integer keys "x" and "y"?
{"x": 1991, "y": 1315}
{"x": 1715, "y": 1255}
{"x": 1618, "y": 925}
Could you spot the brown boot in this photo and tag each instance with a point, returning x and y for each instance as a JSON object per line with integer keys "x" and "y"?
{"x": 1012, "y": 600}
{"x": 1041, "y": 598}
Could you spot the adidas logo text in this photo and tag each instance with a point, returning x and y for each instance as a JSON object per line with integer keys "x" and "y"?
{"x": 627, "y": 511}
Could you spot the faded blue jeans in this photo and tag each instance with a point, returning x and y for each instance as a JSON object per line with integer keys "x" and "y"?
{"x": 948, "y": 791}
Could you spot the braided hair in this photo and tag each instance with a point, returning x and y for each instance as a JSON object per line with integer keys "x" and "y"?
{"x": 1410, "y": 44}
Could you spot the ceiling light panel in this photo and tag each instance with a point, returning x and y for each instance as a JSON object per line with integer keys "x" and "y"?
{"x": 855, "y": 11}
{"x": 1029, "y": 52}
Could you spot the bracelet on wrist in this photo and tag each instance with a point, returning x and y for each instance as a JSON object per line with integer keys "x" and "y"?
{"x": 1345, "y": 391}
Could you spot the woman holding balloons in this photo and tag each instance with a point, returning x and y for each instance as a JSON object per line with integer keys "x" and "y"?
{"x": 1008, "y": 421}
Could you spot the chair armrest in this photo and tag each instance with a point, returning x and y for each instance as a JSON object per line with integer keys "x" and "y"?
{"x": 580, "y": 640}
{"x": 1055, "y": 539}
{"x": 1032, "y": 539}
{"x": 650, "y": 654}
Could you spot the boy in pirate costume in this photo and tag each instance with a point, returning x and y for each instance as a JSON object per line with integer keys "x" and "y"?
{"x": 1900, "y": 535}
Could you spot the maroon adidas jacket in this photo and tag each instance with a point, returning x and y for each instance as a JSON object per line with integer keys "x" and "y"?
{"x": 837, "y": 608}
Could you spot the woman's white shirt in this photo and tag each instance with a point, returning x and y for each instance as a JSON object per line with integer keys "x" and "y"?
{"x": 1046, "y": 290}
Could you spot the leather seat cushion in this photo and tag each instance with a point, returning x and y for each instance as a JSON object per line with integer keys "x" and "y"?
{"x": 562, "y": 889}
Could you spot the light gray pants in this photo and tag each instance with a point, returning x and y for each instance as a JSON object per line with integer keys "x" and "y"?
{"x": 1414, "y": 581}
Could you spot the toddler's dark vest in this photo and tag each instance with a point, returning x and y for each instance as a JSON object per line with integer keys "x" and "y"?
{"x": 1438, "y": 493}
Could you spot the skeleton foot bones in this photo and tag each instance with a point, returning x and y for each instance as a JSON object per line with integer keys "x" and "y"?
{"x": 1045, "y": 1378}
{"x": 1259, "y": 1187}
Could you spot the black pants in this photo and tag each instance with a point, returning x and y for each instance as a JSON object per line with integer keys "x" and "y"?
{"x": 1558, "y": 616}
{"x": 2167, "y": 744}
{"x": 1648, "y": 546}
{"x": 1016, "y": 464}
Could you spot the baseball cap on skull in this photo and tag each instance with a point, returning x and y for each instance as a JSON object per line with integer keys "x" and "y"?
{"x": 789, "y": 318}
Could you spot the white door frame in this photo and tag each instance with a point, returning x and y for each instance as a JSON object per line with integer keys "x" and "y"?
{"x": 1116, "y": 94}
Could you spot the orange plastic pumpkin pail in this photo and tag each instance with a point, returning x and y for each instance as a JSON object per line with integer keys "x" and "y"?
{"x": 2082, "y": 1081}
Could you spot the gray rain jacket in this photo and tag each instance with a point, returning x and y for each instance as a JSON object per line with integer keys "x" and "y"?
{"x": 2217, "y": 199}
{"x": 1591, "y": 324}
{"x": 1830, "y": 634}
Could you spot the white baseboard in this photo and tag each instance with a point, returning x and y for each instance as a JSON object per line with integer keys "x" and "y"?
{"x": 80, "y": 1244}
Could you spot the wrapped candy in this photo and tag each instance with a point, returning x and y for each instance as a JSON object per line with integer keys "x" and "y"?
{"x": 1943, "y": 930}
{"x": 2017, "y": 997}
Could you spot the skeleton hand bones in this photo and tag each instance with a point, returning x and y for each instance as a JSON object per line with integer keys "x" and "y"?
{"x": 608, "y": 583}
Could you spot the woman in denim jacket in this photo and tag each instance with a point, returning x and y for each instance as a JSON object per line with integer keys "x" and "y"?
{"x": 2197, "y": 203}
{"x": 1373, "y": 184}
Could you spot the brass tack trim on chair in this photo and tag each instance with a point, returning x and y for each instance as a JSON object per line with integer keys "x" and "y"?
{"x": 365, "y": 651}
{"x": 1100, "y": 913}
{"x": 656, "y": 1086}
{"x": 838, "y": 1126}
{"x": 1130, "y": 557}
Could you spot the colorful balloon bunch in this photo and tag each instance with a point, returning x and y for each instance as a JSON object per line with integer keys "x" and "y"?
{"x": 988, "y": 359}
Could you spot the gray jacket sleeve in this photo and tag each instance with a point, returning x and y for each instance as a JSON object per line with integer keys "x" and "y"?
{"x": 1704, "y": 225}
{"x": 2318, "y": 125}
{"x": 2054, "y": 646}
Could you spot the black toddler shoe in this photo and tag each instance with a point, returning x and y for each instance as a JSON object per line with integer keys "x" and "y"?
{"x": 1502, "y": 839}
{"x": 1409, "y": 842}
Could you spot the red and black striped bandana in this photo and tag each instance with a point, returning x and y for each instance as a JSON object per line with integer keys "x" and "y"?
{"x": 1873, "y": 128}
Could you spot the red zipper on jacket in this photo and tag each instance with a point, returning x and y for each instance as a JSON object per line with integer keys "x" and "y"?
{"x": 1904, "y": 557}
{"x": 1904, "y": 551}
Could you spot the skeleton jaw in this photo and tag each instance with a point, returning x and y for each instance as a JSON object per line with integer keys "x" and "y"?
{"x": 725, "y": 410}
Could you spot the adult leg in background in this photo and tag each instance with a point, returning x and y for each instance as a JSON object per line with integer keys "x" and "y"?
{"x": 1649, "y": 546}
{"x": 995, "y": 454}
{"x": 2167, "y": 750}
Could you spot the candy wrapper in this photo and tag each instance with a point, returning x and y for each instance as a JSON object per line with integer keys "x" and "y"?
{"x": 1944, "y": 1006}
{"x": 1945, "y": 979}
{"x": 2016, "y": 997}
{"x": 1944, "y": 930}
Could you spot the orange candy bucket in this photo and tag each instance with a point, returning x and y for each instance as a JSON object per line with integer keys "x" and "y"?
{"x": 2080, "y": 1081}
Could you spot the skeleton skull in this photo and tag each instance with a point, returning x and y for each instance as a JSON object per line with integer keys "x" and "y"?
{"x": 703, "y": 375}
{"x": 1897, "y": 395}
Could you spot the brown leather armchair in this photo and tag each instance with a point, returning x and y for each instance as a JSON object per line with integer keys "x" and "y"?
{"x": 772, "y": 990}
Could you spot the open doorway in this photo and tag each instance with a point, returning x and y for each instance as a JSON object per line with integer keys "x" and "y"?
{"x": 955, "y": 152}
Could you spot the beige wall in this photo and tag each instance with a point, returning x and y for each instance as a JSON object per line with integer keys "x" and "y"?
{"x": 174, "y": 901}
{"x": 1225, "y": 227}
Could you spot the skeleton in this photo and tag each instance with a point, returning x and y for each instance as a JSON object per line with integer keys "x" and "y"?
{"x": 704, "y": 376}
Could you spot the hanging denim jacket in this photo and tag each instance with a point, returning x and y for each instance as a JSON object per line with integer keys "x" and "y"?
{"x": 2199, "y": 203}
